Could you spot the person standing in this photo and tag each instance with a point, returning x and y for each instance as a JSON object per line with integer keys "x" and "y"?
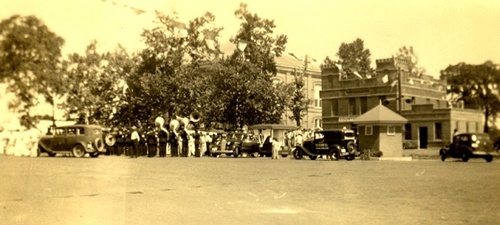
{"x": 197, "y": 137}
{"x": 152, "y": 141}
{"x": 174, "y": 144}
{"x": 135, "y": 141}
{"x": 163, "y": 139}
{"x": 184, "y": 141}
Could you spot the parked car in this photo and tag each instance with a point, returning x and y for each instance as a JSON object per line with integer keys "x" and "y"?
{"x": 75, "y": 139}
{"x": 272, "y": 131}
{"x": 225, "y": 143}
{"x": 335, "y": 144}
{"x": 469, "y": 145}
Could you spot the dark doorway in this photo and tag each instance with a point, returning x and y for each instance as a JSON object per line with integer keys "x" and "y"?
{"x": 423, "y": 136}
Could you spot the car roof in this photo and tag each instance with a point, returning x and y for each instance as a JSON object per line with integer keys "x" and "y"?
{"x": 80, "y": 125}
{"x": 272, "y": 126}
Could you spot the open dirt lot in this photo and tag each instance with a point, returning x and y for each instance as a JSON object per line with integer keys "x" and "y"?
{"x": 119, "y": 190}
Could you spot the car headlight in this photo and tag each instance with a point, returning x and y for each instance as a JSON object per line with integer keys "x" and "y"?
{"x": 89, "y": 145}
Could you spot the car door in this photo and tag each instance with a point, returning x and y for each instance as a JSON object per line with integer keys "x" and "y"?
{"x": 59, "y": 139}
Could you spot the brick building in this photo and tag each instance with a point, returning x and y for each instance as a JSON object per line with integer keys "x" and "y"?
{"x": 419, "y": 98}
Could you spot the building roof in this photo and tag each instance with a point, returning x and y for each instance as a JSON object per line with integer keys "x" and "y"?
{"x": 285, "y": 60}
{"x": 380, "y": 115}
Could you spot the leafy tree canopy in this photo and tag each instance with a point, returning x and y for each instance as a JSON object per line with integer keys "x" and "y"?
{"x": 29, "y": 59}
{"x": 476, "y": 85}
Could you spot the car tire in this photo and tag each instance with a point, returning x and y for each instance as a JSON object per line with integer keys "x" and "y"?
{"x": 488, "y": 158}
{"x": 465, "y": 157}
{"x": 51, "y": 154}
{"x": 297, "y": 154}
{"x": 99, "y": 144}
{"x": 313, "y": 157}
{"x": 236, "y": 152}
{"x": 350, "y": 157}
{"x": 443, "y": 157}
{"x": 78, "y": 151}
{"x": 284, "y": 156}
{"x": 334, "y": 154}
{"x": 94, "y": 154}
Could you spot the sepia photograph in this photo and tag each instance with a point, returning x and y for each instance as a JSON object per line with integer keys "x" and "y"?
{"x": 127, "y": 112}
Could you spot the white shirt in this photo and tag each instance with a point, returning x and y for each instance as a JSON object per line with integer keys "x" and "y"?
{"x": 135, "y": 136}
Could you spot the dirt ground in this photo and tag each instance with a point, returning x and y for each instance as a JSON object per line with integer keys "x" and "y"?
{"x": 119, "y": 190}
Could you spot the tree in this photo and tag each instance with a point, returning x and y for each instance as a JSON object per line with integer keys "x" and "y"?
{"x": 353, "y": 57}
{"x": 95, "y": 83}
{"x": 261, "y": 47}
{"x": 299, "y": 102}
{"x": 245, "y": 78}
{"x": 475, "y": 85}
{"x": 170, "y": 79}
{"x": 29, "y": 60}
{"x": 407, "y": 54}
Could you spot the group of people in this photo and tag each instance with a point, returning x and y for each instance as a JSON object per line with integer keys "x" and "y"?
{"x": 160, "y": 141}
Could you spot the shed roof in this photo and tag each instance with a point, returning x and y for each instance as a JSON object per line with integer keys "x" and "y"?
{"x": 380, "y": 115}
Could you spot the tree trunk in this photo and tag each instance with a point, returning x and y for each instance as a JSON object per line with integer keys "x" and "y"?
{"x": 486, "y": 117}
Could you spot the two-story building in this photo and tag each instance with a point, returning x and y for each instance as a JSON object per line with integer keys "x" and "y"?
{"x": 419, "y": 98}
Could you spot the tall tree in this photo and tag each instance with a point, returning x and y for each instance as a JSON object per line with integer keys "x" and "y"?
{"x": 170, "y": 80}
{"x": 29, "y": 60}
{"x": 261, "y": 46}
{"x": 407, "y": 54}
{"x": 299, "y": 102}
{"x": 475, "y": 85}
{"x": 95, "y": 83}
{"x": 354, "y": 57}
{"x": 246, "y": 78}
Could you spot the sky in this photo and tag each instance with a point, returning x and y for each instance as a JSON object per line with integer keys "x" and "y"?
{"x": 441, "y": 32}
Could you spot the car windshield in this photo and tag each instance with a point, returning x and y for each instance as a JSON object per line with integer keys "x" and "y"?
{"x": 480, "y": 137}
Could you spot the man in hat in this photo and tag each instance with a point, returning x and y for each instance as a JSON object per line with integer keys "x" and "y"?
{"x": 135, "y": 140}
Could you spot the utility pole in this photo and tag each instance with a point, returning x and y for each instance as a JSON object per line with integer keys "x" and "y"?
{"x": 400, "y": 103}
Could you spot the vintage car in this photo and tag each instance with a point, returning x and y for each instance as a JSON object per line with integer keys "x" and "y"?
{"x": 260, "y": 142}
{"x": 335, "y": 144}
{"x": 469, "y": 145}
{"x": 222, "y": 144}
{"x": 75, "y": 139}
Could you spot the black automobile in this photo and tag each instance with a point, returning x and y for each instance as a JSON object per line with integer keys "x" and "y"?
{"x": 469, "y": 145}
{"x": 75, "y": 139}
{"x": 336, "y": 144}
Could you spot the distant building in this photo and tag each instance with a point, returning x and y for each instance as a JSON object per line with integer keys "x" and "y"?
{"x": 420, "y": 98}
{"x": 289, "y": 65}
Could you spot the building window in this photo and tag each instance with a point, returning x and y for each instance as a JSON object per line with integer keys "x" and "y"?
{"x": 391, "y": 130}
{"x": 364, "y": 104}
{"x": 318, "y": 123}
{"x": 408, "y": 131}
{"x": 317, "y": 99}
{"x": 467, "y": 127}
{"x": 351, "y": 108}
{"x": 368, "y": 130}
{"x": 457, "y": 125}
{"x": 438, "y": 131}
{"x": 478, "y": 129}
{"x": 334, "y": 109}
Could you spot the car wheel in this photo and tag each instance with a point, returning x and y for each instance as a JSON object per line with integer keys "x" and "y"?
{"x": 313, "y": 157}
{"x": 489, "y": 158}
{"x": 236, "y": 152}
{"x": 78, "y": 151}
{"x": 350, "y": 157}
{"x": 284, "y": 156}
{"x": 443, "y": 157}
{"x": 297, "y": 154}
{"x": 334, "y": 154}
{"x": 465, "y": 157}
{"x": 94, "y": 154}
{"x": 51, "y": 154}
{"x": 99, "y": 144}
